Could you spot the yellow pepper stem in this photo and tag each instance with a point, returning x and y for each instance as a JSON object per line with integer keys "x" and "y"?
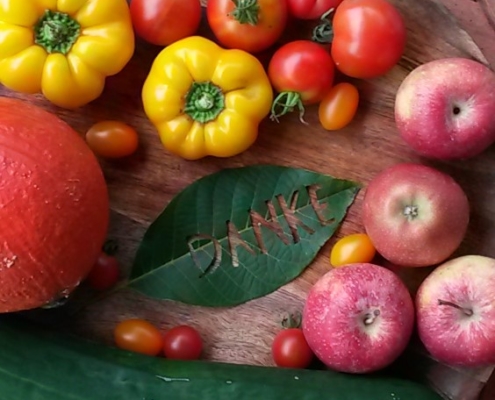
{"x": 246, "y": 11}
{"x": 204, "y": 102}
{"x": 287, "y": 101}
{"x": 56, "y": 32}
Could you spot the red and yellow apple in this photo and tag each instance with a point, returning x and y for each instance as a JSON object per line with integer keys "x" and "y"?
{"x": 358, "y": 318}
{"x": 415, "y": 215}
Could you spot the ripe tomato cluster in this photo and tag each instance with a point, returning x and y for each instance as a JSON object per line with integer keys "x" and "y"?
{"x": 359, "y": 39}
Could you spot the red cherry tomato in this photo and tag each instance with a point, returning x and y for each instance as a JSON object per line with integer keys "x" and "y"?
{"x": 290, "y": 349}
{"x": 369, "y": 37}
{"x": 338, "y": 106}
{"x": 139, "y": 336}
{"x": 182, "y": 342}
{"x": 302, "y": 72}
{"x": 253, "y": 28}
{"x": 355, "y": 248}
{"x": 311, "y": 9}
{"x": 112, "y": 139}
{"x": 162, "y": 22}
{"x": 105, "y": 273}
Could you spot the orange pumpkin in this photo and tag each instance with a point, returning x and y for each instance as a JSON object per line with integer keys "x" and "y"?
{"x": 54, "y": 208}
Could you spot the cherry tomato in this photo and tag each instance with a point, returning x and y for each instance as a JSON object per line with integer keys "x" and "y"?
{"x": 369, "y": 37}
{"x": 251, "y": 28}
{"x": 290, "y": 349}
{"x": 112, "y": 139}
{"x": 105, "y": 273}
{"x": 163, "y": 22}
{"x": 139, "y": 336}
{"x": 182, "y": 342}
{"x": 355, "y": 248}
{"x": 302, "y": 72}
{"x": 338, "y": 106}
{"x": 311, "y": 9}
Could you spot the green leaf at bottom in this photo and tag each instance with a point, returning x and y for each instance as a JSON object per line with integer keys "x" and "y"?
{"x": 239, "y": 234}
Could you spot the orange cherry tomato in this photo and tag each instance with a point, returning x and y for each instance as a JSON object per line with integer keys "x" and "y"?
{"x": 338, "y": 107}
{"x": 139, "y": 336}
{"x": 355, "y": 248}
{"x": 112, "y": 139}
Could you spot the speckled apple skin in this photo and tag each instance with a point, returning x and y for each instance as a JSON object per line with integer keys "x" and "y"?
{"x": 447, "y": 333}
{"x": 425, "y": 103}
{"x": 334, "y": 311}
{"x": 437, "y": 231}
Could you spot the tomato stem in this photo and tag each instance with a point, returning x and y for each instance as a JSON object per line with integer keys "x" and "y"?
{"x": 292, "y": 320}
{"x": 287, "y": 101}
{"x": 110, "y": 247}
{"x": 323, "y": 33}
{"x": 204, "y": 102}
{"x": 246, "y": 11}
{"x": 56, "y": 32}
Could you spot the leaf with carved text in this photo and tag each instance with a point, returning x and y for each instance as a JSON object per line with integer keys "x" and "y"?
{"x": 239, "y": 234}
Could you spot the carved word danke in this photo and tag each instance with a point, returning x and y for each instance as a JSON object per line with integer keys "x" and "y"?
{"x": 257, "y": 221}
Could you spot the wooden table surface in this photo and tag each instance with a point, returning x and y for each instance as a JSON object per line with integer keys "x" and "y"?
{"x": 472, "y": 16}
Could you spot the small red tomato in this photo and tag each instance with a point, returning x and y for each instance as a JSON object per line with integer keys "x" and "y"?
{"x": 339, "y": 106}
{"x": 139, "y": 336}
{"x": 290, "y": 349}
{"x": 112, "y": 139}
{"x": 182, "y": 342}
{"x": 105, "y": 273}
{"x": 301, "y": 72}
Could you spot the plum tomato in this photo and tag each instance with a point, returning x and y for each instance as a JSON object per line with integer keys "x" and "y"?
{"x": 182, "y": 342}
{"x": 311, "y": 9}
{"x": 354, "y": 248}
{"x": 139, "y": 336}
{"x": 163, "y": 22}
{"x": 105, "y": 272}
{"x": 339, "y": 106}
{"x": 302, "y": 72}
{"x": 249, "y": 25}
{"x": 290, "y": 349}
{"x": 112, "y": 139}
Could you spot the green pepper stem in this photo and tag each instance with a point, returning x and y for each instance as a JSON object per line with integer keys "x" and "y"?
{"x": 56, "y": 32}
{"x": 246, "y": 11}
{"x": 323, "y": 33}
{"x": 287, "y": 101}
{"x": 204, "y": 102}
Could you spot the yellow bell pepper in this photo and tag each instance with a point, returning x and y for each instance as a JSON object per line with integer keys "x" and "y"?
{"x": 63, "y": 48}
{"x": 205, "y": 100}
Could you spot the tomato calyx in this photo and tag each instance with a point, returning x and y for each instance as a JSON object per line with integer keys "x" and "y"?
{"x": 292, "y": 320}
{"x": 204, "y": 102}
{"x": 56, "y": 32}
{"x": 287, "y": 101}
{"x": 323, "y": 33}
{"x": 110, "y": 247}
{"x": 246, "y": 11}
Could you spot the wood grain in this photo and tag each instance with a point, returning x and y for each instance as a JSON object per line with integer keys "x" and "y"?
{"x": 142, "y": 185}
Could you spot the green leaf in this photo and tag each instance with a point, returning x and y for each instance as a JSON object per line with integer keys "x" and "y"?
{"x": 38, "y": 363}
{"x": 228, "y": 238}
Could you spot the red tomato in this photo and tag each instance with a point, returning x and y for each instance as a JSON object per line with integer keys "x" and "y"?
{"x": 311, "y": 9}
{"x": 369, "y": 37}
{"x": 302, "y": 72}
{"x": 105, "y": 273}
{"x": 112, "y": 139}
{"x": 139, "y": 336}
{"x": 182, "y": 343}
{"x": 290, "y": 349}
{"x": 338, "y": 106}
{"x": 163, "y": 22}
{"x": 253, "y": 28}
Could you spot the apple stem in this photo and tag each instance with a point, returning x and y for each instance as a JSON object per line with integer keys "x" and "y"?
{"x": 466, "y": 311}
{"x": 369, "y": 318}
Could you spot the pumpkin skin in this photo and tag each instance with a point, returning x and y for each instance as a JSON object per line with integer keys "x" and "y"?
{"x": 54, "y": 207}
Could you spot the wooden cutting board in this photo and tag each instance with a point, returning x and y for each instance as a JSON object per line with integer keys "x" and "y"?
{"x": 142, "y": 185}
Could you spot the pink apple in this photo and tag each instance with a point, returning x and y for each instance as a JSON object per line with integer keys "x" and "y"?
{"x": 358, "y": 318}
{"x": 415, "y": 215}
{"x": 445, "y": 109}
{"x": 456, "y": 311}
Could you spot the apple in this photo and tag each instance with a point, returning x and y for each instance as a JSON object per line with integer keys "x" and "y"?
{"x": 455, "y": 308}
{"x": 415, "y": 215}
{"x": 358, "y": 318}
{"x": 445, "y": 109}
